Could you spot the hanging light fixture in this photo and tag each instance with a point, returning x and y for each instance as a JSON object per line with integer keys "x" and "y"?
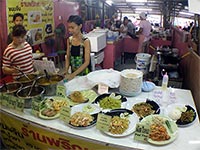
{"x": 109, "y": 2}
{"x": 143, "y": 9}
{"x": 136, "y": 1}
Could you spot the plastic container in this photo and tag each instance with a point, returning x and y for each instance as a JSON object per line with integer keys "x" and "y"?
{"x": 165, "y": 81}
{"x": 142, "y": 62}
{"x": 131, "y": 82}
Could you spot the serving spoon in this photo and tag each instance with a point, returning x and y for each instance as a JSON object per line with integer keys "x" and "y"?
{"x": 46, "y": 74}
{"x": 33, "y": 84}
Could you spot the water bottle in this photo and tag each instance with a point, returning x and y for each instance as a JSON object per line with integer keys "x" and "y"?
{"x": 165, "y": 81}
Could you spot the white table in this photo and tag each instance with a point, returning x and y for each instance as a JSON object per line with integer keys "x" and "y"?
{"x": 188, "y": 137}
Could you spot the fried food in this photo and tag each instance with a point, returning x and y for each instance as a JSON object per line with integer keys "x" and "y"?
{"x": 187, "y": 116}
{"x": 51, "y": 107}
{"x": 158, "y": 132}
{"x": 77, "y": 97}
{"x": 81, "y": 119}
{"x": 49, "y": 112}
{"x": 118, "y": 125}
{"x": 143, "y": 109}
{"x": 57, "y": 105}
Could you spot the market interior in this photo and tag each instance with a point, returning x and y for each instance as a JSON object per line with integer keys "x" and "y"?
{"x": 155, "y": 83}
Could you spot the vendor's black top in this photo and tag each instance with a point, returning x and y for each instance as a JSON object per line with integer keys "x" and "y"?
{"x": 77, "y": 56}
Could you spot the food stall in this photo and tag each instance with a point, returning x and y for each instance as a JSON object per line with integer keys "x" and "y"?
{"x": 25, "y": 128}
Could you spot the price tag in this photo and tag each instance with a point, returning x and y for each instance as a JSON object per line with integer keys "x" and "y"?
{"x": 102, "y": 88}
{"x": 12, "y": 102}
{"x": 5, "y": 99}
{"x": 35, "y": 107}
{"x": 142, "y": 132}
{"x": 65, "y": 114}
{"x": 1, "y": 98}
{"x": 103, "y": 122}
{"x": 19, "y": 104}
{"x": 61, "y": 91}
{"x": 9, "y": 103}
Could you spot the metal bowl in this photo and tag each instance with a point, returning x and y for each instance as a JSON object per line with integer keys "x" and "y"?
{"x": 25, "y": 81}
{"x": 12, "y": 88}
{"x": 37, "y": 93}
{"x": 50, "y": 84}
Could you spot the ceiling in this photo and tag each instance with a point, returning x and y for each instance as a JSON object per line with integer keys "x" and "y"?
{"x": 158, "y": 7}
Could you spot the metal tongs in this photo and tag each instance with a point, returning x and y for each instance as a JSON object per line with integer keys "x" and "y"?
{"x": 22, "y": 72}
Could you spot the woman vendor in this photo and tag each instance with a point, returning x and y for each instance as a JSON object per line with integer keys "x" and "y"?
{"x": 18, "y": 54}
{"x": 78, "y": 49}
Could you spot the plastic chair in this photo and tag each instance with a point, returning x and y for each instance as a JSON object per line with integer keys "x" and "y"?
{"x": 53, "y": 55}
{"x": 60, "y": 38}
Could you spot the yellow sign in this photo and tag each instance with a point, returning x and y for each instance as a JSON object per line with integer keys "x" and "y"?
{"x": 38, "y": 17}
{"x": 20, "y": 134}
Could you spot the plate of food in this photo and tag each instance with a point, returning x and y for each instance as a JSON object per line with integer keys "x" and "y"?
{"x": 183, "y": 115}
{"x": 50, "y": 107}
{"x": 143, "y": 109}
{"x": 86, "y": 107}
{"x": 163, "y": 130}
{"x": 82, "y": 120}
{"x": 122, "y": 124}
{"x": 78, "y": 97}
{"x": 110, "y": 101}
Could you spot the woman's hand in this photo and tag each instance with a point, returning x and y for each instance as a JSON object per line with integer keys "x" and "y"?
{"x": 9, "y": 70}
{"x": 69, "y": 76}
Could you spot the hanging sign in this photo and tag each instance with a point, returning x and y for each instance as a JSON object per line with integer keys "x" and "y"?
{"x": 38, "y": 17}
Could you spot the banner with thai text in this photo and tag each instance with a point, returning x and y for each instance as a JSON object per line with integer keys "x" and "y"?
{"x": 20, "y": 134}
{"x": 38, "y": 17}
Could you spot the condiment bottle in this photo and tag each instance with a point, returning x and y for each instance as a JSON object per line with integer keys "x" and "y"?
{"x": 165, "y": 81}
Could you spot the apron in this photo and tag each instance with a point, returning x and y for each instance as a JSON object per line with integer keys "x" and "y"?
{"x": 77, "y": 58}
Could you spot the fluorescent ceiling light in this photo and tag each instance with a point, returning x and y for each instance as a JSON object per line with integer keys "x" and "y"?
{"x": 138, "y": 12}
{"x": 143, "y": 9}
{"x": 136, "y": 1}
{"x": 109, "y": 2}
{"x": 186, "y": 13}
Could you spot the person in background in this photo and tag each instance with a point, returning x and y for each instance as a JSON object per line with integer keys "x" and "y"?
{"x": 124, "y": 27}
{"x": 115, "y": 26}
{"x": 131, "y": 29}
{"x": 18, "y": 19}
{"x": 78, "y": 49}
{"x": 144, "y": 32}
{"x": 18, "y": 54}
{"x": 108, "y": 25}
{"x": 190, "y": 28}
